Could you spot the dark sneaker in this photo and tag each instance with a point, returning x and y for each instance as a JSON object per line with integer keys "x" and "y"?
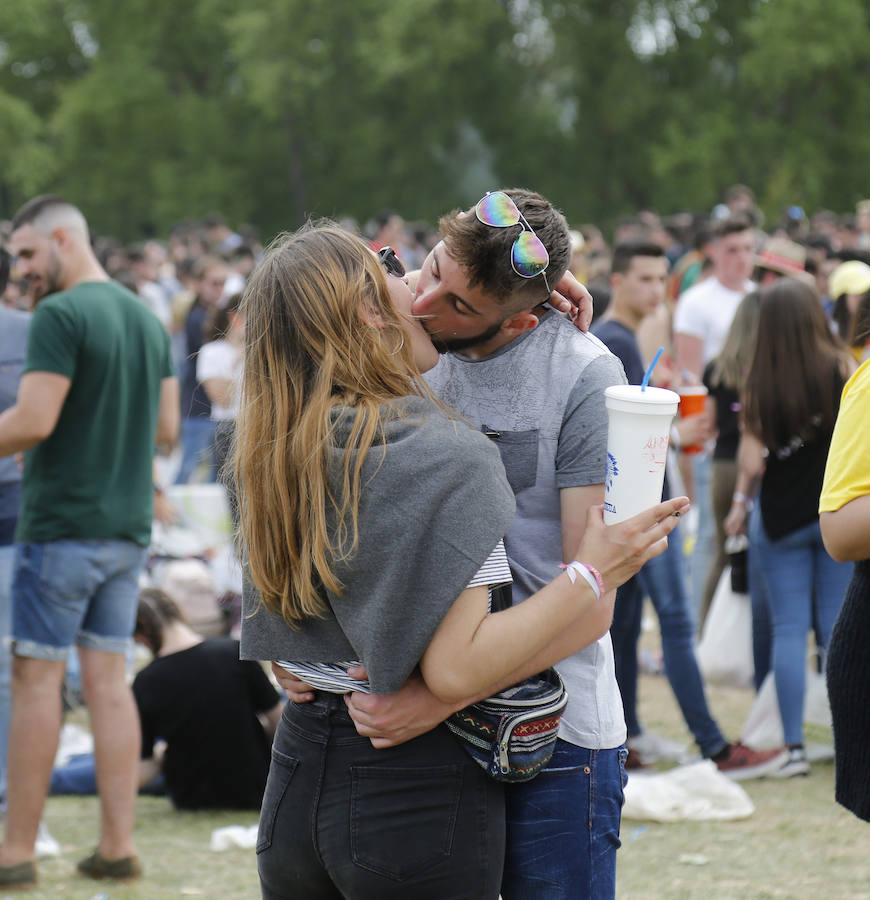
{"x": 21, "y": 875}
{"x": 796, "y": 764}
{"x": 741, "y": 763}
{"x": 97, "y": 866}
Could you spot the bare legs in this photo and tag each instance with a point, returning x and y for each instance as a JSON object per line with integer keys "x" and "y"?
{"x": 33, "y": 738}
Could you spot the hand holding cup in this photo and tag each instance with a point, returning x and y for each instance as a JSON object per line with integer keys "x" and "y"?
{"x": 618, "y": 551}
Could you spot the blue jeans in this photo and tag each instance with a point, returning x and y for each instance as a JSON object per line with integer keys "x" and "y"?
{"x": 704, "y": 552}
{"x": 7, "y": 558}
{"x": 805, "y": 588}
{"x": 197, "y": 444}
{"x": 563, "y": 827}
{"x": 75, "y": 592}
{"x": 341, "y": 819}
{"x": 624, "y": 635}
{"x": 762, "y": 638}
{"x": 662, "y": 578}
{"x": 79, "y": 776}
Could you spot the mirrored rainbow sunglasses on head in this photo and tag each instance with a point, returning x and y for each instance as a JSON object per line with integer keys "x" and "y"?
{"x": 529, "y": 256}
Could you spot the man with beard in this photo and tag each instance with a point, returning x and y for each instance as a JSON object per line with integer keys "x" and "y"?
{"x": 535, "y": 385}
{"x": 96, "y": 392}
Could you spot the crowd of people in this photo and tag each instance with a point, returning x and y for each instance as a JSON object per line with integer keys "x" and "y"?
{"x": 328, "y": 381}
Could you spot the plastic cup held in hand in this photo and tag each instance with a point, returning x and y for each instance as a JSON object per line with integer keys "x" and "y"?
{"x": 639, "y": 423}
{"x": 692, "y": 400}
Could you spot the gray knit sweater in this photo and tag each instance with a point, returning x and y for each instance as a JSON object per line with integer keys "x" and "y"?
{"x": 434, "y": 503}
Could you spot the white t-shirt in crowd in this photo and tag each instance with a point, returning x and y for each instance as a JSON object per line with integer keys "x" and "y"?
{"x": 157, "y": 300}
{"x": 220, "y": 359}
{"x": 705, "y": 311}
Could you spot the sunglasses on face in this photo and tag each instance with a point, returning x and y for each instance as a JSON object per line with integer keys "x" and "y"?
{"x": 529, "y": 256}
{"x": 391, "y": 263}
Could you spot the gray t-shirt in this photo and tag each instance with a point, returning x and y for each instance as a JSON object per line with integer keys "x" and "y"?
{"x": 541, "y": 400}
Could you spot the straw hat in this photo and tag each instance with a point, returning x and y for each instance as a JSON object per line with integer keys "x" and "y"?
{"x": 784, "y": 257}
{"x": 852, "y": 277}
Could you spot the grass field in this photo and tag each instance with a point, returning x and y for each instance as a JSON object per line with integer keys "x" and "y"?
{"x": 798, "y": 844}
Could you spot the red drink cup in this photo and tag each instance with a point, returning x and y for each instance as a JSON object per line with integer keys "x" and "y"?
{"x": 693, "y": 398}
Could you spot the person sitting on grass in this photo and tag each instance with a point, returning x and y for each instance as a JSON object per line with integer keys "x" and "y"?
{"x": 207, "y": 717}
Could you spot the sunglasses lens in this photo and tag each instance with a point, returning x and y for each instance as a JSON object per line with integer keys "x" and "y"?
{"x": 529, "y": 256}
{"x": 498, "y": 209}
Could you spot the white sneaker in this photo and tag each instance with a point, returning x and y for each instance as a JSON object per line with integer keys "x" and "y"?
{"x": 795, "y": 764}
{"x": 653, "y": 748}
{"x": 46, "y": 845}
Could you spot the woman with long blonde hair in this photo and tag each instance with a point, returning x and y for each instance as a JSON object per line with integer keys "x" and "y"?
{"x": 372, "y": 521}
{"x": 724, "y": 376}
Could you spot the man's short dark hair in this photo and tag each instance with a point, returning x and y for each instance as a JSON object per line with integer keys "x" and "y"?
{"x": 34, "y": 208}
{"x": 136, "y": 253}
{"x": 626, "y": 251}
{"x": 736, "y": 191}
{"x": 213, "y": 220}
{"x": 484, "y": 252}
{"x": 821, "y": 242}
{"x": 733, "y": 224}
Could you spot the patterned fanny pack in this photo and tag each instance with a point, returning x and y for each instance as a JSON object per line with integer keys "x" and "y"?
{"x": 512, "y": 734}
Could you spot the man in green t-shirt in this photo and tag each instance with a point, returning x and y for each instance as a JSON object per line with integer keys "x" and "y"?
{"x": 97, "y": 392}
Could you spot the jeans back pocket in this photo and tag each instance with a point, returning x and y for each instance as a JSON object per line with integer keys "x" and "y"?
{"x": 402, "y": 820}
{"x": 280, "y": 774}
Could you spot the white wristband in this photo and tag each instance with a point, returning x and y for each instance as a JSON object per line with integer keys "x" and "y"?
{"x": 572, "y": 569}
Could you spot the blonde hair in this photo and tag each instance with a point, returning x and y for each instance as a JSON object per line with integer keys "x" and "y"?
{"x": 729, "y": 368}
{"x": 321, "y": 333}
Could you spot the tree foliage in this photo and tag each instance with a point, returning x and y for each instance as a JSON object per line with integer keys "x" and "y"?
{"x": 148, "y": 113}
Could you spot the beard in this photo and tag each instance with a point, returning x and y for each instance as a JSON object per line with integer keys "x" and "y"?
{"x": 450, "y": 345}
{"x": 49, "y": 281}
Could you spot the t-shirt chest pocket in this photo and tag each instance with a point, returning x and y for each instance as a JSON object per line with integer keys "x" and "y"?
{"x": 519, "y": 454}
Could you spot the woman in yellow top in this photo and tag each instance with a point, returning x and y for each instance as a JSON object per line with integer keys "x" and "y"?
{"x": 844, "y": 509}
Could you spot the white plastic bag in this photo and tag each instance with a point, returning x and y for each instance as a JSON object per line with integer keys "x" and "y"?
{"x": 763, "y": 727}
{"x": 725, "y": 651}
{"x": 698, "y": 792}
{"x": 230, "y": 836}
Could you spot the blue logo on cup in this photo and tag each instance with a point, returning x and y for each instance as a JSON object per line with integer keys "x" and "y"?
{"x": 612, "y": 472}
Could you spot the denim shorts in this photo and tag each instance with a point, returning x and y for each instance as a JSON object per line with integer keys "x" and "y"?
{"x": 75, "y": 592}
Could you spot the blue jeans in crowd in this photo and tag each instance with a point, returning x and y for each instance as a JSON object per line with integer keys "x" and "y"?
{"x": 662, "y": 579}
{"x": 805, "y": 589}
{"x": 7, "y": 557}
{"x": 563, "y": 827}
{"x": 79, "y": 776}
{"x": 197, "y": 445}
{"x": 704, "y": 551}
{"x": 762, "y": 636}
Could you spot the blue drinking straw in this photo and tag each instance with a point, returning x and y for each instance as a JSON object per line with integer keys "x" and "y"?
{"x": 648, "y": 372}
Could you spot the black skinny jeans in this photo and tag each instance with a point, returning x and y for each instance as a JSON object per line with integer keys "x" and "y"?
{"x": 341, "y": 819}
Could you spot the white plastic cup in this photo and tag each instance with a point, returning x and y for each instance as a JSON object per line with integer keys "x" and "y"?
{"x": 639, "y": 424}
